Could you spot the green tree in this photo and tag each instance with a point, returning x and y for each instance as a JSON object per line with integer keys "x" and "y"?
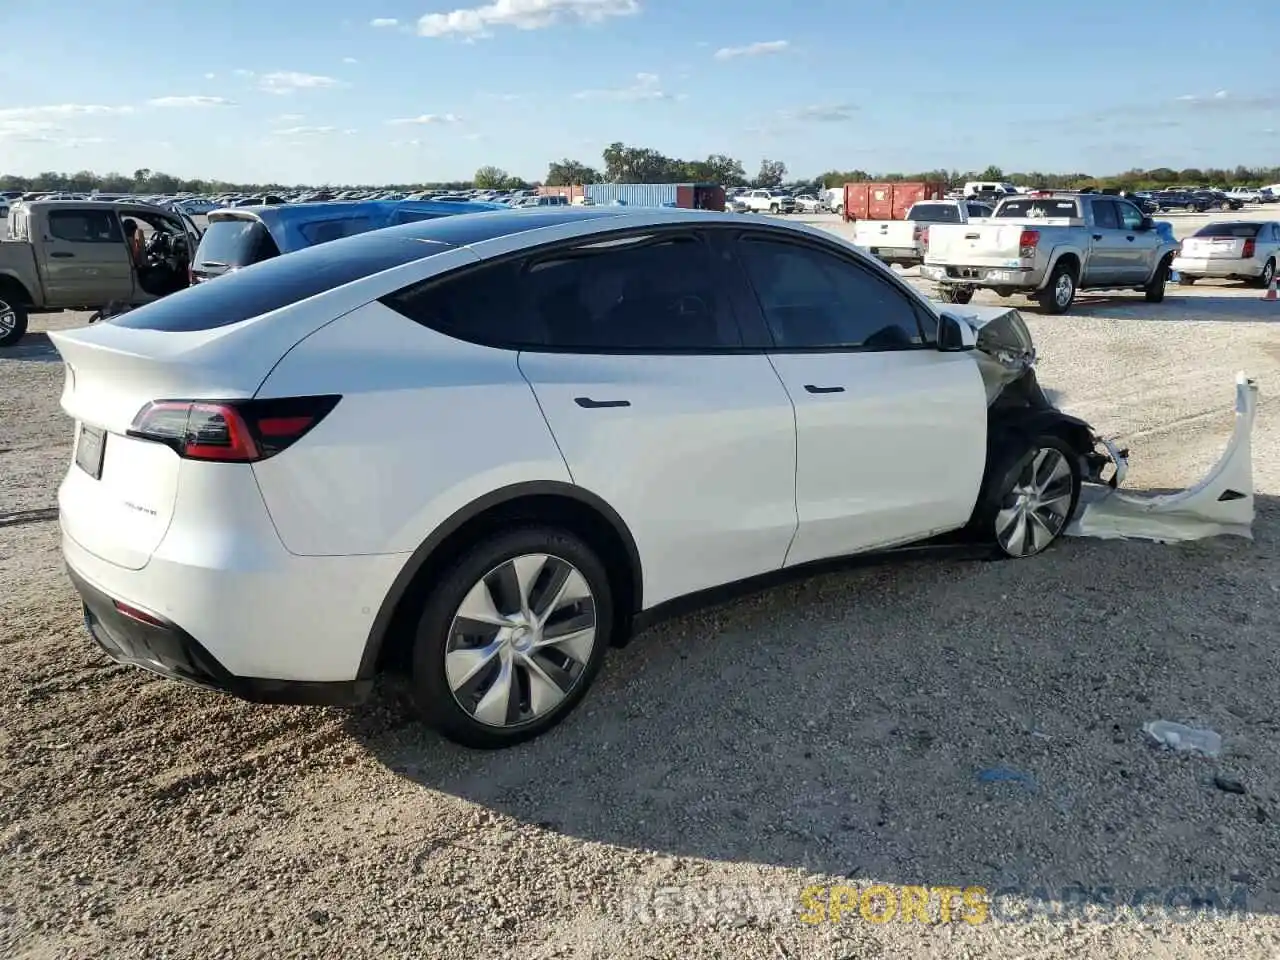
{"x": 491, "y": 178}
{"x": 772, "y": 173}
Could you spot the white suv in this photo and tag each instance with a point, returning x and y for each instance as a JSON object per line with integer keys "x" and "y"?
{"x": 769, "y": 201}
{"x": 483, "y": 449}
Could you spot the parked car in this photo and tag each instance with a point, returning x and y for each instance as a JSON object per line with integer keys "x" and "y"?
{"x": 769, "y": 201}
{"x": 464, "y": 448}
{"x": 807, "y": 203}
{"x": 1217, "y": 200}
{"x": 904, "y": 242}
{"x": 1232, "y": 250}
{"x": 1178, "y": 200}
{"x": 74, "y": 255}
{"x": 238, "y": 237}
{"x": 1049, "y": 247}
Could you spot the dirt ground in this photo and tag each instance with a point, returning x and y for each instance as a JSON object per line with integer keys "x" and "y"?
{"x": 930, "y": 723}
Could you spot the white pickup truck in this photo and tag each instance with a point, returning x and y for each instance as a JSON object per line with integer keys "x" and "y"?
{"x": 903, "y": 241}
{"x": 1049, "y": 245}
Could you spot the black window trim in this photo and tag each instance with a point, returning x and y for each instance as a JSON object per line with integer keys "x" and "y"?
{"x": 920, "y": 310}
{"x": 557, "y": 249}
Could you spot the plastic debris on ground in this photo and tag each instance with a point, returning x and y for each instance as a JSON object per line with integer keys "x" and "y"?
{"x": 1184, "y": 739}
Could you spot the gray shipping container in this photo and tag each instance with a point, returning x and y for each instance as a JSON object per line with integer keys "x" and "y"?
{"x": 633, "y": 194}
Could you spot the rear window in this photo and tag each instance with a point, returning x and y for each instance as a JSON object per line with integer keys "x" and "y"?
{"x": 936, "y": 213}
{"x": 277, "y": 283}
{"x": 235, "y": 243}
{"x": 324, "y": 231}
{"x": 1043, "y": 207}
{"x": 1245, "y": 230}
{"x": 412, "y": 216}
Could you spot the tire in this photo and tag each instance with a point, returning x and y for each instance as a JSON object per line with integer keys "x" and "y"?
{"x": 1185, "y": 281}
{"x": 1060, "y": 292}
{"x": 773, "y": 208}
{"x": 513, "y": 650}
{"x": 1019, "y": 522}
{"x": 13, "y": 319}
{"x": 953, "y": 294}
{"x": 1154, "y": 291}
{"x": 1225, "y": 206}
{"x": 1268, "y": 274}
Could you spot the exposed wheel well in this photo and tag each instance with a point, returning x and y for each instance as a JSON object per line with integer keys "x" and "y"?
{"x": 553, "y": 509}
{"x": 14, "y": 288}
{"x": 1071, "y": 261}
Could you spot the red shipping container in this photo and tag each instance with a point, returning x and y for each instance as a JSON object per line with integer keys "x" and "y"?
{"x": 888, "y": 201}
{"x": 700, "y": 196}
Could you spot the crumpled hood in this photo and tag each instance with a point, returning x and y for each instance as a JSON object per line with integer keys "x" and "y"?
{"x": 1005, "y": 351}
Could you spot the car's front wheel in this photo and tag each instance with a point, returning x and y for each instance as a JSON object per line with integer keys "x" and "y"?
{"x": 510, "y": 640}
{"x": 1268, "y": 274}
{"x": 1033, "y": 498}
{"x": 13, "y": 319}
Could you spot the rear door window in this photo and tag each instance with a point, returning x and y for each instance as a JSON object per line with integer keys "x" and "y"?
{"x": 1104, "y": 215}
{"x": 323, "y": 231}
{"x": 228, "y": 244}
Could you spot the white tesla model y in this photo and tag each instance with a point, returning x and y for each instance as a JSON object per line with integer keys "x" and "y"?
{"x": 483, "y": 449}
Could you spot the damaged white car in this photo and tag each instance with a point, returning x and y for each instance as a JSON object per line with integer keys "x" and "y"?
{"x": 483, "y": 449}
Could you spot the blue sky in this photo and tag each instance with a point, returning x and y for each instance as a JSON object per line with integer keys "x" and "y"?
{"x": 419, "y": 90}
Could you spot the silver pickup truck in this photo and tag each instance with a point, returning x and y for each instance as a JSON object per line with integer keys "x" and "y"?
{"x": 1048, "y": 246}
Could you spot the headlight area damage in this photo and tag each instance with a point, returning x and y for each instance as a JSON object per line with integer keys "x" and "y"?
{"x": 1019, "y": 410}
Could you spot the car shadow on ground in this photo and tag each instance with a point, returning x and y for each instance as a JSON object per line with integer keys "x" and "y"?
{"x": 1175, "y": 307}
{"x": 33, "y": 348}
{"x": 926, "y": 723}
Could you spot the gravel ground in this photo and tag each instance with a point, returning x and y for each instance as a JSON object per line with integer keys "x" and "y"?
{"x": 825, "y": 733}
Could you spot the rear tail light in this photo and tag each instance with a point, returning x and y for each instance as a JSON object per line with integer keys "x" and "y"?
{"x": 1027, "y": 243}
{"x": 232, "y": 431}
{"x": 1250, "y": 248}
{"x": 924, "y": 236}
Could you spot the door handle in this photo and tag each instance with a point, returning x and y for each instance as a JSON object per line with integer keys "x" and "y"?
{"x": 590, "y": 404}
{"x": 812, "y": 389}
{"x": 1130, "y": 239}
{"x": 62, "y": 255}
{"x": 1097, "y": 236}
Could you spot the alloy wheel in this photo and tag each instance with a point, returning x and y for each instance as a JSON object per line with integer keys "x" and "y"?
{"x": 8, "y": 319}
{"x": 1035, "y": 509}
{"x": 521, "y": 640}
{"x": 1064, "y": 291}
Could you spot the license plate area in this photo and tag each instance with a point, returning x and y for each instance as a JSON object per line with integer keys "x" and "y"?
{"x": 91, "y": 447}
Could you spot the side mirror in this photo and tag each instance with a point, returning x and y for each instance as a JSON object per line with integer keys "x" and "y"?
{"x": 1147, "y": 224}
{"x": 954, "y": 334}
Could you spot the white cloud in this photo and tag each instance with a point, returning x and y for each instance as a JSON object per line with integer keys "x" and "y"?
{"x": 646, "y": 87}
{"x": 502, "y": 97}
{"x": 244, "y": 73}
{"x": 350, "y": 60}
{"x": 304, "y": 131}
{"x": 288, "y": 81}
{"x": 830, "y": 113}
{"x": 522, "y": 15}
{"x": 290, "y": 118}
{"x": 195, "y": 101}
{"x": 349, "y": 131}
{"x": 426, "y": 118}
{"x": 384, "y": 22}
{"x": 61, "y": 110}
{"x": 751, "y": 49}
{"x": 210, "y": 76}
{"x": 406, "y": 143}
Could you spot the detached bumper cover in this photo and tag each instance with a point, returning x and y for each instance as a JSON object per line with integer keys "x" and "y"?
{"x": 1221, "y": 503}
{"x": 164, "y": 648}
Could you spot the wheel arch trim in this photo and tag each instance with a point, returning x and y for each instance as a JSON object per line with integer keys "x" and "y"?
{"x": 495, "y": 498}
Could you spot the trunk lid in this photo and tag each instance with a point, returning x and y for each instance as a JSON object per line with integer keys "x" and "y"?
{"x": 1213, "y": 248}
{"x": 975, "y": 244}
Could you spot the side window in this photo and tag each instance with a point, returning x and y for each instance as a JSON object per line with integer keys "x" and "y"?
{"x": 638, "y": 294}
{"x": 1104, "y": 215}
{"x": 1130, "y": 216}
{"x": 641, "y": 294}
{"x": 84, "y": 226}
{"x": 813, "y": 300}
{"x": 323, "y": 231}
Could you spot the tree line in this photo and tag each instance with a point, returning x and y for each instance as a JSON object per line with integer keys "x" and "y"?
{"x": 620, "y": 163}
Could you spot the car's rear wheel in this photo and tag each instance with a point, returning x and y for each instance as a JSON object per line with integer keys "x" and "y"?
{"x": 1033, "y": 500}
{"x": 13, "y": 319}
{"x": 955, "y": 294}
{"x": 1185, "y": 280}
{"x": 1268, "y": 273}
{"x": 511, "y": 639}
{"x": 1060, "y": 292}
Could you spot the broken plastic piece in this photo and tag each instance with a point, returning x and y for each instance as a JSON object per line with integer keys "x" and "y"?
{"x": 1182, "y": 739}
{"x": 1221, "y": 503}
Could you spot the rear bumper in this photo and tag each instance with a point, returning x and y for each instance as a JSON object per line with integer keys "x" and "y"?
{"x": 983, "y": 276}
{"x": 164, "y": 648}
{"x": 1217, "y": 267}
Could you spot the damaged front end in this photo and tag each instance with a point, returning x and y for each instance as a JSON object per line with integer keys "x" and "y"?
{"x": 1019, "y": 411}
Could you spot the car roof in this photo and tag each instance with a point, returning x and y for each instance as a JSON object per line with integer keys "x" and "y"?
{"x": 277, "y": 215}
{"x": 122, "y": 205}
